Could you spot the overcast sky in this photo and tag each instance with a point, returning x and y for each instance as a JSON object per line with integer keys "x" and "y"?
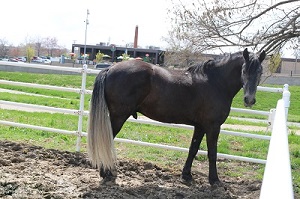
{"x": 109, "y": 21}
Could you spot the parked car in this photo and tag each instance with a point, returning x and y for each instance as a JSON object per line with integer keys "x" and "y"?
{"x": 47, "y": 61}
{"x": 45, "y": 57}
{"x": 37, "y": 60}
{"x": 13, "y": 59}
{"x": 22, "y": 59}
{"x": 4, "y": 59}
{"x": 102, "y": 65}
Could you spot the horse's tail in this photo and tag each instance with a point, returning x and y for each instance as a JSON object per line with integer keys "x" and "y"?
{"x": 101, "y": 148}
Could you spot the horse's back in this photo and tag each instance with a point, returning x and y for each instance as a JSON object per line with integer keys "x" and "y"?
{"x": 128, "y": 75}
{"x": 127, "y": 84}
{"x": 134, "y": 73}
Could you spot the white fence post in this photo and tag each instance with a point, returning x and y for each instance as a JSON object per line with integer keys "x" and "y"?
{"x": 286, "y": 98}
{"x": 271, "y": 118}
{"x": 277, "y": 181}
{"x": 81, "y": 107}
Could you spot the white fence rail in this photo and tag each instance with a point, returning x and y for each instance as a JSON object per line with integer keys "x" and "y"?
{"x": 277, "y": 181}
{"x": 82, "y": 91}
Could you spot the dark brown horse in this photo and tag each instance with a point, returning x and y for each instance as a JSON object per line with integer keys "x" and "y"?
{"x": 200, "y": 96}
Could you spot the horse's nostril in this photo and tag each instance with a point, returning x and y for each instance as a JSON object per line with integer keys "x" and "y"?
{"x": 249, "y": 101}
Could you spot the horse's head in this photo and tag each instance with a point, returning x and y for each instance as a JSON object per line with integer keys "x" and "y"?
{"x": 251, "y": 74}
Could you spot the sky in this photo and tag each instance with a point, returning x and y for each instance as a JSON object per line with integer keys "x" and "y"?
{"x": 111, "y": 21}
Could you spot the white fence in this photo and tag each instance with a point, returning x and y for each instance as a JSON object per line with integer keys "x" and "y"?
{"x": 81, "y": 113}
{"x": 277, "y": 181}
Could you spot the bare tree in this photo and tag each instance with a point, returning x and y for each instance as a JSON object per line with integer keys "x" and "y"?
{"x": 38, "y": 44}
{"x": 204, "y": 25}
{"x": 4, "y": 48}
{"x": 50, "y": 43}
{"x": 180, "y": 53}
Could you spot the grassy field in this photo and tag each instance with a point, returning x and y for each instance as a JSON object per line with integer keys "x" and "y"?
{"x": 148, "y": 133}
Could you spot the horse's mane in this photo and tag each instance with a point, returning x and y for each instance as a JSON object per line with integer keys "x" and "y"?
{"x": 217, "y": 62}
{"x": 201, "y": 67}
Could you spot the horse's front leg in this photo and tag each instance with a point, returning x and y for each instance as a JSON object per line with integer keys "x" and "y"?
{"x": 108, "y": 175}
{"x": 212, "y": 135}
{"x": 195, "y": 143}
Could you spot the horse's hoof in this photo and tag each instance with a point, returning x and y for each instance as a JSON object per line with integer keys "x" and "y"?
{"x": 114, "y": 173}
{"x": 108, "y": 181}
{"x": 108, "y": 173}
{"x": 187, "y": 179}
{"x": 216, "y": 184}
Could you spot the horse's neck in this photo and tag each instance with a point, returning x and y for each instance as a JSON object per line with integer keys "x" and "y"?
{"x": 231, "y": 76}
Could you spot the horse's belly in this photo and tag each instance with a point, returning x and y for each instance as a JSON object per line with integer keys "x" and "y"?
{"x": 189, "y": 112}
{"x": 166, "y": 113}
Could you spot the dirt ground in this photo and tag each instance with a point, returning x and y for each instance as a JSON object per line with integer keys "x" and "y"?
{"x": 28, "y": 171}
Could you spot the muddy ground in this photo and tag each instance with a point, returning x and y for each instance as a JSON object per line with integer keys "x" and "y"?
{"x": 28, "y": 171}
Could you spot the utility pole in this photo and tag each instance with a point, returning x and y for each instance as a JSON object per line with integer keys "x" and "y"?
{"x": 297, "y": 54}
{"x": 86, "y": 24}
{"x": 82, "y": 91}
{"x": 296, "y": 63}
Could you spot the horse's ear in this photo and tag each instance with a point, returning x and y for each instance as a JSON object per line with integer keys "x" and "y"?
{"x": 246, "y": 54}
{"x": 262, "y": 56}
{"x": 207, "y": 65}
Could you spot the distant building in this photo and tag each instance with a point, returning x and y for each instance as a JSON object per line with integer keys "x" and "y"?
{"x": 154, "y": 54}
{"x": 290, "y": 66}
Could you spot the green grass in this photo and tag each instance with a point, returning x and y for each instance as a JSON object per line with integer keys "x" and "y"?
{"x": 267, "y": 100}
{"x": 48, "y": 79}
{"x": 148, "y": 133}
{"x": 53, "y": 120}
{"x": 46, "y": 101}
{"x": 50, "y": 93}
{"x": 234, "y": 121}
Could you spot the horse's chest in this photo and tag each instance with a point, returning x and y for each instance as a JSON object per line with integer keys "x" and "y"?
{"x": 213, "y": 107}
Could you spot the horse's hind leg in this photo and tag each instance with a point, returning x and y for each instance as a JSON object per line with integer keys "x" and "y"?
{"x": 212, "y": 135}
{"x": 116, "y": 123}
{"x": 195, "y": 143}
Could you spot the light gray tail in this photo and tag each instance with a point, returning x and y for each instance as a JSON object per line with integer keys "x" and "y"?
{"x": 101, "y": 148}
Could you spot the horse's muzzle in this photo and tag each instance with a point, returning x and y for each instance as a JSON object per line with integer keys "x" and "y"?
{"x": 249, "y": 102}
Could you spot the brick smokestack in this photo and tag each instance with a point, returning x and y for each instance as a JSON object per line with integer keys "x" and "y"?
{"x": 136, "y": 35}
